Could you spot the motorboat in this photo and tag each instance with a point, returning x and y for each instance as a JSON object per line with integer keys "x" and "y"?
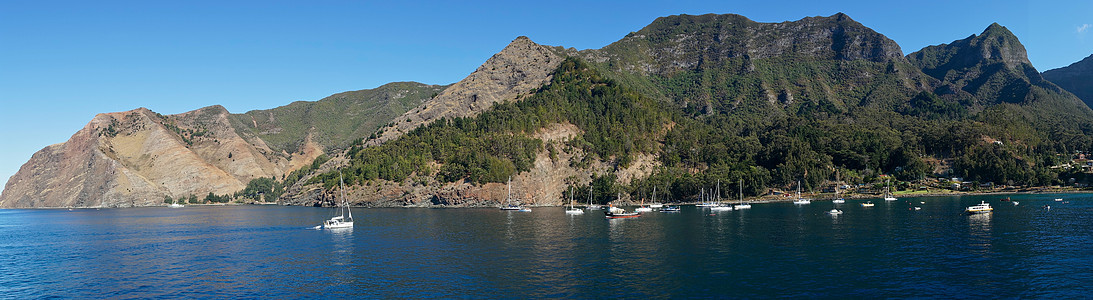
{"x": 980, "y": 208}
{"x": 618, "y": 213}
{"x": 867, "y": 204}
{"x": 720, "y": 207}
{"x": 838, "y": 201}
{"x": 176, "y": 205}
{"x": 644, "y": 209}
{"x": 670, "y": 209}
{"x": 834, "y": 212}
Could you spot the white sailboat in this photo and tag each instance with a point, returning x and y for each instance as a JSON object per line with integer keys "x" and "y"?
{"x": 571, "y": 210}
{"x": 644, "y": 208}
{"x": 837, "y": 199}
{"x": 590, "y": 205}
{"x": 742, "y": 205}
{"x": 888, "y": 192}
{"x": 718, "y": 206}
{"x": 508, "y": 199}
{"x": 341, "y": 220}
{"x": 799, "y": 200}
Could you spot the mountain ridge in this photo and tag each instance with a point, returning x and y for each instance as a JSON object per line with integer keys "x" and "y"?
{"x": 719, "y": 96}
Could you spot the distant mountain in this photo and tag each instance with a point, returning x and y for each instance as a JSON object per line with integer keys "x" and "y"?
{"x": 1076, "y": 78}
{"x": 138, "y": 157}
{"x": 335, "y": 121}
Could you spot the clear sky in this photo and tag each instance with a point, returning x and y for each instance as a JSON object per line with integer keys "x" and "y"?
{"x": 61, "y": 62}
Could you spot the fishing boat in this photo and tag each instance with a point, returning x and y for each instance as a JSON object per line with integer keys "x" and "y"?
{"x": 572, "y": 210}
{"x": 341, "y": 220}
{"x": 799, "y": 200}
{"x": 980, "y": 208}
{"x": 742, "y": 205}
{"x": 508, "y": 199}
{"x": 618, "y": 213}
{"x": 867, "y": 204}
{"x": 888, "y": 192}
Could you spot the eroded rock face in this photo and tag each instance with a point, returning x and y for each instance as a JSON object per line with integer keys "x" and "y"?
{"x": 518, "y": 69}
{"x": 135, "y": 158}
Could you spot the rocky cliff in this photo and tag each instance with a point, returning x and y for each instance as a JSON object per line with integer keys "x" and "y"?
{"x": 519, "y": 68}
{"x": 1076, "y": 78}
{"x": 135, "y": 158}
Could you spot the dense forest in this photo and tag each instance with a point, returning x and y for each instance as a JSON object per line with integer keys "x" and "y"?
{"x": 703, "y": 147}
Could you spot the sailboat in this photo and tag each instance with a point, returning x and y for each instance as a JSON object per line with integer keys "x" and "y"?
{"x": 717, "y": 199}
{"x": 618, "y": 213}
{"x": 888, "y": 192}
{"x": 644, "y": 208}
{"x": 571, "y": 210}
{"x": 799, "y": 200}
{"x": 837, "y": 199}
{"x": 590, "y": 205}
{"x": 742, "y": 205}
{"x": 341, "y": 220}
{"x": 508, "y": 199}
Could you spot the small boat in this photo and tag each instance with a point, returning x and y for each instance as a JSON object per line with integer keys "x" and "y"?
{"x": 1047, "y": 206}
{"x": 742, "y": 205}
{"x": 644, "y": 209}
{"x": 799, "y": 200}
{"x": 1058, "y": 199}
{"x": 590, "y": 205}
{"x": 618, "y": 213}
{"x": 1015, "y": 203}
{"x": 721, "y": 207}
{"x": 176, "y": 205}
{"x": 340, "y": 221}
{"x": 837, "y": 199}
{"x": 916, "y": 208}
{"x": 888, "y": 192}
{"x": 980, "y": 208}
{"x": 571, "y": 210}
{"x": 867, "y": 204}
{"x": 834, "y": 212}
{"x": 524, "y": 209}
{"x": 508, "y": 199}
{"x": 670, "y": 209}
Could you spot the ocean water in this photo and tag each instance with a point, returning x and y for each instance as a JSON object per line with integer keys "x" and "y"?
{"x": 771, "y": 250}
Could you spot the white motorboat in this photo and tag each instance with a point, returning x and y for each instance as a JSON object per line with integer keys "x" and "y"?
{"x": 834, "y": 212}
{"x": 176, "y": 205}
{"x": 981, "y": 208}
{"x": 867, "y": 204}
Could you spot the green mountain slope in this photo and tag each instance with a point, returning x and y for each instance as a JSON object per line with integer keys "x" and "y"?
{"x": 1076, "y": 78}
{"x": 335, "y": 121}
{"x": 720, "y": 97}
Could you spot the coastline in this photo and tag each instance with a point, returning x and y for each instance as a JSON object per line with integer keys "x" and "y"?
{"x": 764, "y": 199}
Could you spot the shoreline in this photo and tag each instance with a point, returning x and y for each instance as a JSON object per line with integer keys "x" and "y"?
{"x": 764, "y": 199}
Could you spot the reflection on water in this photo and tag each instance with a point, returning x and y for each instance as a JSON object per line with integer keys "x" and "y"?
{"x": 267, "y": 252}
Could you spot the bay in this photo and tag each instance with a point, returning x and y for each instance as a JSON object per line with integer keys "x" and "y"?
{"x": 771, "y": 250}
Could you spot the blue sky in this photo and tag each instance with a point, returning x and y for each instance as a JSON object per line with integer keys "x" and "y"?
{"x": 62, "y": 62}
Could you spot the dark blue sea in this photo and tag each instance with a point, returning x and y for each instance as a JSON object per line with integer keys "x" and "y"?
{"x": 772, "y": 250}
